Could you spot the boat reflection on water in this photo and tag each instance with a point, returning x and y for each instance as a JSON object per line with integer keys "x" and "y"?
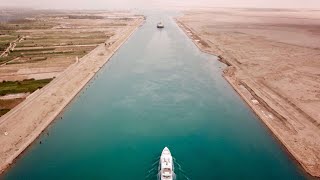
{"x": 160, "y": 25}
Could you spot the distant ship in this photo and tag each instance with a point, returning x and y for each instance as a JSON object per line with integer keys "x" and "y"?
{"x": 166, "y": 165}
{"x": 160, "y": 25}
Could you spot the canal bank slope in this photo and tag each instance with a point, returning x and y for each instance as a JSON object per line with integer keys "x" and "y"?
{"x": 273, "y": 63}
{"x": 23, "y": 124}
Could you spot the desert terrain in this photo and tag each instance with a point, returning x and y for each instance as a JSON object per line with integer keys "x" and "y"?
{"x": 46, "y": 59}
{"x": 273, "y": 58}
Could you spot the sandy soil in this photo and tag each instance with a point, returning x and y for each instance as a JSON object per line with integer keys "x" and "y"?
{"x": 14, "y": 96}
{"x": 23, "y": 124}
{"x": 274, "y": 64}
{"x": 49, "y": 43}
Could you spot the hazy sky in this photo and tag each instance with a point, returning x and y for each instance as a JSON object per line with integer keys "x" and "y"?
{"x": 125, "y": 4}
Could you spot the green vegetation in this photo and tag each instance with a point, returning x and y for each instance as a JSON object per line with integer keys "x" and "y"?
{"x": 3, "y": 46}
{"x": 4, "y": 43}
{"x": 3, "y": 111}
{"x": 7, "y": 104}
{"x": 34, "y": 49}
{"x": 31, "y": 60}
{"x": 6, "y": 59}
{"x": 18, "y": 25}
{"x": 30, "y": 85}
{"x": 61, "y": 42}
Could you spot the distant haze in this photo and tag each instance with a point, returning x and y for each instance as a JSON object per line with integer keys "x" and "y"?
{"x": 149, "y": 4}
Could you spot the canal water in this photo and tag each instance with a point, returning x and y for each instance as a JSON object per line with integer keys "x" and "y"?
{"x": 158, "y": 90}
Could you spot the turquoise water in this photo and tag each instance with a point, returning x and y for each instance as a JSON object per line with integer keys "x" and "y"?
{"x": 158, "y": 90}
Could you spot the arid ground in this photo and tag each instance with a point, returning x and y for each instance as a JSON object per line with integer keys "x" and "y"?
{"x": 274, "y": 64}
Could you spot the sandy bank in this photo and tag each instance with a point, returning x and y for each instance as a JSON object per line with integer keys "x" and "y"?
{"x": 273, "y": 63}
{"x": 23, "y": 124}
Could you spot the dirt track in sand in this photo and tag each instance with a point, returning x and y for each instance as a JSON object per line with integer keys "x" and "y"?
{"x": 274, "y": 64}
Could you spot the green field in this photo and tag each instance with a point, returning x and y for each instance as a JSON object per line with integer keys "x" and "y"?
{"x": 5, "y": 41}
{"x": 30, "y": 85}
{"x": 3, "y": 111}
{"x": 6, "y": 59}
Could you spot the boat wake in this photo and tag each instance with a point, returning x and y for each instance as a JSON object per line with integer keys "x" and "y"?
{"x": 179, "y": 171}
{"x": 153, "y": 173}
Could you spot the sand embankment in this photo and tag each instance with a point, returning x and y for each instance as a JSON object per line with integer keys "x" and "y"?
{"x": 23, "y": 124}
{"x": 274, "y": 64}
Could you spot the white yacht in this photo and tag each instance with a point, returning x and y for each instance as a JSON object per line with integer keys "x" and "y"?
{"x": 160, "y": 25}
{"x": 166, "y": 165}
